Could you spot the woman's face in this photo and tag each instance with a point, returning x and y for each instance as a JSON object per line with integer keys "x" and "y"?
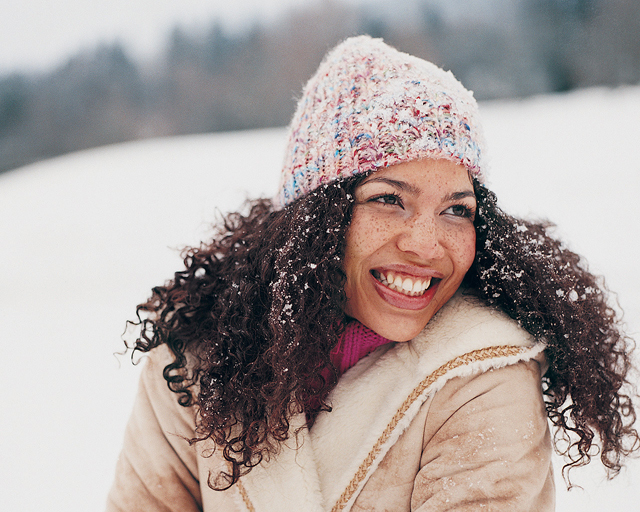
{"x": 409, "y": 245}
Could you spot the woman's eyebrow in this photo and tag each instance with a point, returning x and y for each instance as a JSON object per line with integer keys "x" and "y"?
{"x": 456, "y": 196}
{"x": 402, "y": 185}
{"x": 412, "y": 189}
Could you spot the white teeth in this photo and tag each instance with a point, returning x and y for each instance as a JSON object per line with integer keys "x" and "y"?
{"x": 406, "y": 286}
{"x": 380, "y": 277}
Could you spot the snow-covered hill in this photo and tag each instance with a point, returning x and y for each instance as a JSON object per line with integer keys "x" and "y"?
{"x": 84, "y": 237}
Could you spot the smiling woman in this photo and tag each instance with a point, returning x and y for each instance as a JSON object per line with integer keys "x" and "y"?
{"x": 381, "y": 336}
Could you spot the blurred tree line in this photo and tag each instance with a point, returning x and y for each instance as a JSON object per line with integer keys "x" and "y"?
{"x": 219, "y": 80}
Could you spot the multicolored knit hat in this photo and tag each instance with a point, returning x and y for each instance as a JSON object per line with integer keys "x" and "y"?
{"x": 369, "y": 106}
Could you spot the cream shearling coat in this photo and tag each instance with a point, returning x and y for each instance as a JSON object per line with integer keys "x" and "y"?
{"x": 451, "y": 421}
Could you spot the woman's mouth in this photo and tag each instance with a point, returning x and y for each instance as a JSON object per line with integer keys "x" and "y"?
{"x": 411, "y": 287}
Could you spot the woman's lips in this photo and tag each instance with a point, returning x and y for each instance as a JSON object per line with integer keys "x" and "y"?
{"x": 417, "y": 297}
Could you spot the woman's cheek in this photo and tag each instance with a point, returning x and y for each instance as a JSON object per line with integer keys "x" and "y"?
{"x": 462, "y": 246}
{"x": 469, "y": 251}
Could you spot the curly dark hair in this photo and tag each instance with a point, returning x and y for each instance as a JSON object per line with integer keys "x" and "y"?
{"x": 548, "y": 289}
{"x": 252, "y": 318}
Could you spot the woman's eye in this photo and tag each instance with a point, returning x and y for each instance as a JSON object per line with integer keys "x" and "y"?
{"x": 460, "y": 210}
{"x": 390, "y": 199}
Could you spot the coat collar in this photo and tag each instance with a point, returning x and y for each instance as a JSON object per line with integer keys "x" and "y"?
{"x": 375, "y": 401}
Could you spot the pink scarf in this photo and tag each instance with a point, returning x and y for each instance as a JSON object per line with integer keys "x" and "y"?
{"x": 356, "y": 342}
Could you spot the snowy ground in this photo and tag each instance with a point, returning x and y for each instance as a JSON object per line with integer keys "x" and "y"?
{"x": 84, "y": 237}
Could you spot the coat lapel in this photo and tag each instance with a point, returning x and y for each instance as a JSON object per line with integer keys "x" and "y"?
{"x": 289, "y": 481}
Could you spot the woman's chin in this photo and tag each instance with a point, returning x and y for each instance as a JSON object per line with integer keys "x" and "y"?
{"x": 400, "y": 318}
{"x": 401, "y": 333}
{"x": 399, "y": 328}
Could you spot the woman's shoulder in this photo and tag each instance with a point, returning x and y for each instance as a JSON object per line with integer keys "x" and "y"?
{"x": 162, "y": 401}
{"x": 157, "y": 468}
{"x": 467, "y": 332}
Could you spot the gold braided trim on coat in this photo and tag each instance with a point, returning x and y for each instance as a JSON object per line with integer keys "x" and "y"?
{"x": 245, "y": 497}
{"x": 471, "y": 357}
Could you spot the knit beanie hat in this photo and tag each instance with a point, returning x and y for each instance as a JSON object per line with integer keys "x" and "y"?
{"x": 369, "y": 106}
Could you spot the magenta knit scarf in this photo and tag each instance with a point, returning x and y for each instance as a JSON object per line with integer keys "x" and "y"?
{"x": 356, "y": 342}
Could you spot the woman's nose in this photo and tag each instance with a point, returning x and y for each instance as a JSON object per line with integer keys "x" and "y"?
{"x": 423, "y": 237}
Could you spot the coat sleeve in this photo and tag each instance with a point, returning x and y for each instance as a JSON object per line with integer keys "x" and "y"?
{"x": 487, "y": 445}
{"x": 157, "y": 468}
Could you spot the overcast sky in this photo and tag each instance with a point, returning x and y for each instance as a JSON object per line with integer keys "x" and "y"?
{"x": 39, "y": 34}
